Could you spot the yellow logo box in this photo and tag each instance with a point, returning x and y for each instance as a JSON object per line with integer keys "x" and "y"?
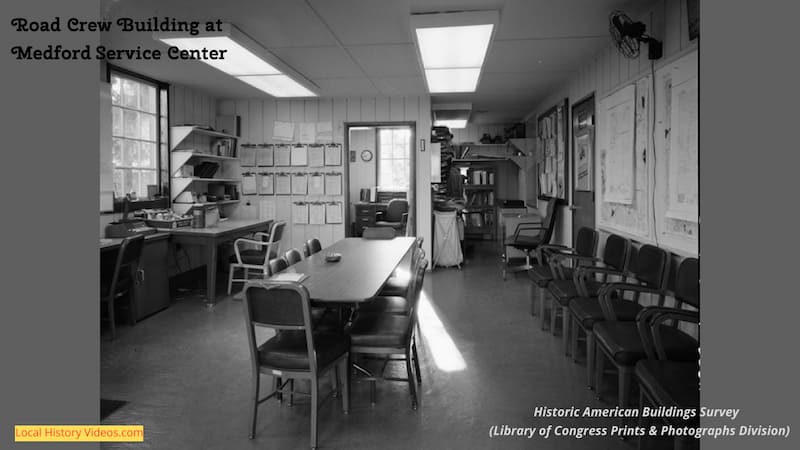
{"x": 79, "y": 433}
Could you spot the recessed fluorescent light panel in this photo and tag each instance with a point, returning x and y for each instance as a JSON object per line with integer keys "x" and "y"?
{"x": 451, "y": 115}
{"x": 452, "y": 48}
{"x": 246, "y": 60}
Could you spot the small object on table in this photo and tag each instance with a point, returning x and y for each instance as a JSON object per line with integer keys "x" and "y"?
{"x": 333, "y": 257}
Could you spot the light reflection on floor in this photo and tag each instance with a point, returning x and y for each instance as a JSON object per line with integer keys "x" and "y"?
{"x": 438, "y": 341}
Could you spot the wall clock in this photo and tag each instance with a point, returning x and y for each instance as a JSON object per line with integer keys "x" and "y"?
{"x": 366, "y": 155}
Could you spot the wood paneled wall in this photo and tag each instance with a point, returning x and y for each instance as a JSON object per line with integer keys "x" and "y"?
{"x": 608, "y": 70}
{"x": 257, "y": 121}
{"x": 474, "y": 132}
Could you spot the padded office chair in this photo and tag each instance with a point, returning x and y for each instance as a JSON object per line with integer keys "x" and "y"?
{"x": 388, "y": 336}
{"x": 256, "y": 259}
{"x": 398, "y": 285}
{"x": 312, "y": 246}
{"x": 296, "y": 351}
{"x": 546, "y": 270}
{"x": 122, "y": 282}
{"x": 528, "y": 237}
{"x": 293, "y": 256}
{"x": 662, "y": 381}
{"x": 277, "y": 265}
{"x": 378, "y": 233}
{"x": 620, "y": 342}
{"x": 393, "y": 217}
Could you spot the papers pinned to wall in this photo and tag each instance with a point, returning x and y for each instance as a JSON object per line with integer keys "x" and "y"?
{"x": 316, "y": 155}
{"x": 299, "y": 155}
{"x": 249, "y": 184}
{"x": 333, "y": 212}
{"x": 266, "y": 184}
{"x": 333, "y": 155}
{"x": 299, "y": 184}
{"x": 316, "y": 213}
{"x": 283, "y": 131}
{"x": 307, "y": 132}
{"x": 247, "y": 156}
{"x": 300, "y": 213}
{"x": 283, "y": 184}
{"x": 316, "y": 184}
{"x": 324, "y": 132}
{"x": 333, "y": 184}
{"x": 283, "y": 155}
{"x": 264, "y": 156}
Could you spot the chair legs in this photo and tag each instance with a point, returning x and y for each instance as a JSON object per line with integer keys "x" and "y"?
{"x": 565, "y": 330}
{"x": 254, "y": 394}
{"x": 416, "y": 360}
{"x": 314, "y": 410}
{"x": 412, "y": 381}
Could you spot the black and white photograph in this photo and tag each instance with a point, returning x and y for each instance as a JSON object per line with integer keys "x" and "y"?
{"x": 395, "y": 224}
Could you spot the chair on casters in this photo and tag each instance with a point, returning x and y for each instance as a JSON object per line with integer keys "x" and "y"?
{"x": 528, "y": 237}
{"x": 256, "y": 259}
{"x": 296, "y": 351}
{"x": 126, "y": 274}
{"x": 387, "y": 335}
{"x": 393, "y": 217}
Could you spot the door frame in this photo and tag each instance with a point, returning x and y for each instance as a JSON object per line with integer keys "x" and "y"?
{"x": 412, "y": 187}
{"x": 578, "y": 130}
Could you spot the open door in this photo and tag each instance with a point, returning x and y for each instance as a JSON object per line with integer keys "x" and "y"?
{"x": 583, "y": 135}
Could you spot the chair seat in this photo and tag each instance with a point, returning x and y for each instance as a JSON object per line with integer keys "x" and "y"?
{"x": 288, "y": 350}
{"x": 524, "y": 242}
{"x": 385, "y": 305}
{"x": 566, "y": 289}
{"x": 380, "y": 330}
{"x": 671, "y": 383}
{"x": 587, "y": 310}
{"x": 624, "y": 344}
{"x": 395, "y": 287}
{"x": 542, "y": 275}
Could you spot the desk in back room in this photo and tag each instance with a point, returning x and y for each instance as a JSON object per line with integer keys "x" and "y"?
{"x": 366, "y": 214}
{"x": 211, "y": 238}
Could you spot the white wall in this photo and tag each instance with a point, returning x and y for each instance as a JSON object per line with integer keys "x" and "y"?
{"x": 362, "y": 174}
{"x": 609, "y": 70}
{"x": 258, "y": 117}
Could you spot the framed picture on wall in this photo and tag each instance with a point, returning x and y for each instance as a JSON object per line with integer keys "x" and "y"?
{"x": 553, "y": 153}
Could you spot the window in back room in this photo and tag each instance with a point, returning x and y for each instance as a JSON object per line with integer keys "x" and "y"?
{"x": 139, "y": 135}
{"x": 394, "y": 164}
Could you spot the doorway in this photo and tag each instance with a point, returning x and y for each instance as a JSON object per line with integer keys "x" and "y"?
{"x": 381, "y": 167}
{"x": 583, "y": 136}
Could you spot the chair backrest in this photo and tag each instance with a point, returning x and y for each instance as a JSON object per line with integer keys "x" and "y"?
{"x": 617, "y": 252}
{"x": 414, "y": 294}
{"x": 378, "y": 233}
{"x": 278, "y": 264}
{"x": 314, "y": 246}
{"x": 586, "y": 242}
{"x": 652, "y": 266}
{"x": 130, "y": 252}
{"x": 275, "y": 239}
{"x": 687, "y": 282}
{"x": 293, "y": 256}
{"x": 395, "y": 210}
{"x": 280, "y": 306}
{"x": 550, "y": 220}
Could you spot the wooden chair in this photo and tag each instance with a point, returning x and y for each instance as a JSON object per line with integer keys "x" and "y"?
{"x": 296, "y": 351}
{"x": 388, "y": 336}
{"x": 255, "y": 259}
{"x": 620, "y": 342}
{"x": 123, "y": 279}
{"x": 528, "y": 237}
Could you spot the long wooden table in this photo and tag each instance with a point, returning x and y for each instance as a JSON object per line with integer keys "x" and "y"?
{"x": 365, "y": 266}
{"x": 211, "y": 238}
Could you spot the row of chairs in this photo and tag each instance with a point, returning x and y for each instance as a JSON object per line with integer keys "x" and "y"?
{"x": 306, "y": 348}
{"x": 600, "y": 300}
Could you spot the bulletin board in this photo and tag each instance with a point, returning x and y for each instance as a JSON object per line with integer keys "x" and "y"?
{"x": 552, "y": 154}
{"x": 647, "y": 182}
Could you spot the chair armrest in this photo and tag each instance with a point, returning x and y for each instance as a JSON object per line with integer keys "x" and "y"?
{"x": 526, "y": 226}
{"x": 582, "y": 272}
{"x": 261, "y": 234}
{"x": 649, "y": 322}
{"x": 240, "y": 241}
{"x": 546, "y": 250}
{"x": 604, "y": 296}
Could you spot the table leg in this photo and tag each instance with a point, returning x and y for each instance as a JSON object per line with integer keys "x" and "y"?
{"x": 211, "y": 273}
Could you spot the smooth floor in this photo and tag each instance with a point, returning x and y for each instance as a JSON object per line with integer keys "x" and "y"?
{"x": 185, "y": 375}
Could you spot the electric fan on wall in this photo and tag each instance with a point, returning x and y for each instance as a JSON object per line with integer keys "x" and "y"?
{"x": 628, "y": 34}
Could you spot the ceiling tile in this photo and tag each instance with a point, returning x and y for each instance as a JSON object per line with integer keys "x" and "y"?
{"x": 400, "y": 85}
{"x": 387, "y": 60}
{"x": 359, "y": 22}
{"x": 319, "y": 62}
{"x": 554, "y": 54}
{"x": 344, "y": 87}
